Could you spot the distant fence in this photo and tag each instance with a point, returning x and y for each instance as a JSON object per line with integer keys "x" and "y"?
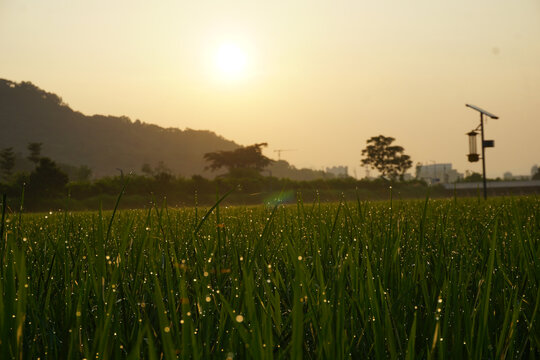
{"x": 493, "y": 185}
{"x": 497, "y": 187}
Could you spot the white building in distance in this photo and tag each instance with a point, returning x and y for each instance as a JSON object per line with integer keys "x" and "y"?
{"x": 437, "y": 173}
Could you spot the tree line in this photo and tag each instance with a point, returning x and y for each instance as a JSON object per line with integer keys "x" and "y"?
{"x": 45, "y": 180}
{"x": 380, "y": 154}
{"x": 241, "y": 169}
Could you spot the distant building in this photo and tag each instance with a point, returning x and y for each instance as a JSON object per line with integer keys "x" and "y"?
{"x": 338, "y": 171}
{"x": 437, "y": 173}
{"x": 508, "y": 176}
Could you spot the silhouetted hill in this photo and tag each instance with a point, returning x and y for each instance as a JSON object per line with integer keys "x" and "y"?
{"x": 104, "y": 143}
{"x": 108, "y": 143}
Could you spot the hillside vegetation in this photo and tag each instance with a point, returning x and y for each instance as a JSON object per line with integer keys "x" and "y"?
{"x": 104, "y": 143}
{"x": 108, "y": 143}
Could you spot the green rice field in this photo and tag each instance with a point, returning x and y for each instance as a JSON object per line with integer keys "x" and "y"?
{"x": 401, "y": 279}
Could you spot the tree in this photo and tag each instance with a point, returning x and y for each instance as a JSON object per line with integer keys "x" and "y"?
{"x": 7, "y": 162}
{"x": 244, "y": 158}
{"x": 473, "y": 177}
{"x": 83, "y": 173}
{"x": 389, "y": 160}
{"x": 147, "y": 169}
{"x": 35, "y": 152}
{"x": 47, "y": 179}
{"x": 162, "y": 173}
{"x": 535, "y": 172}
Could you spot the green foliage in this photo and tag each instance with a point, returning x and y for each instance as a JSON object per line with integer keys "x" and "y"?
{"x": 248, "y": 157}
{"x": 389, "y": 160}
{"x": 401, "y": 279}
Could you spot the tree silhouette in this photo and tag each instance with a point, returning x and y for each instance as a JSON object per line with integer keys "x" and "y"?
{"x": 248, "y": 157}
{"x": 473, "y": 177}
{"x": 7, "y": 162}
{"x": 47, "y": 179}
{"x": 104, "y": 143}
{"x": 83, "y": 173}
{"x": 147, "y": 169}
{"x": 162, "y": 173}
{"x": 389, "y": 160}
{"x": 35, "y": 152}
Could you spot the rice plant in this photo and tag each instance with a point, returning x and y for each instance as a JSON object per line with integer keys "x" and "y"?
{"x": 398, "y": 279}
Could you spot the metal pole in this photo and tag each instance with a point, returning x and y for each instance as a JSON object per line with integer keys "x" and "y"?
{"x": 483, "y": 154}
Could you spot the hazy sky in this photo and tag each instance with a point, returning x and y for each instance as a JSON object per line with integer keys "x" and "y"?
{"x": 320, "y": 77}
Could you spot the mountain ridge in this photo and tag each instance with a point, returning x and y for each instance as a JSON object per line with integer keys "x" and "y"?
{"x": 104, "y": 143}
{"x": 107, "y": 144}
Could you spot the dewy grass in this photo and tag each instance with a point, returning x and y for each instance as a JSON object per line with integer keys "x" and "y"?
{"x": 450, "y": 279}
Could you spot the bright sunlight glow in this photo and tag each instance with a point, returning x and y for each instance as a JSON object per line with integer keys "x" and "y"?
{"x": 231, "y": 60}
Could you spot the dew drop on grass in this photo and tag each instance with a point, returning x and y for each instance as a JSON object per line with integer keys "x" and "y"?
{"x": 239, "y": 318}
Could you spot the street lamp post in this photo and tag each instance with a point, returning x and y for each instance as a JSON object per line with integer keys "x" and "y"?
{"x": 473, "y": 156}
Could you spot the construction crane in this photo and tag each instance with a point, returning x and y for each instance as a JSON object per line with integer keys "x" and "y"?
{"x": 279, "y": 151}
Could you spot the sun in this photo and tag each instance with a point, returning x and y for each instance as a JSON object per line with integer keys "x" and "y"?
{"x": 231, "y": 61}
